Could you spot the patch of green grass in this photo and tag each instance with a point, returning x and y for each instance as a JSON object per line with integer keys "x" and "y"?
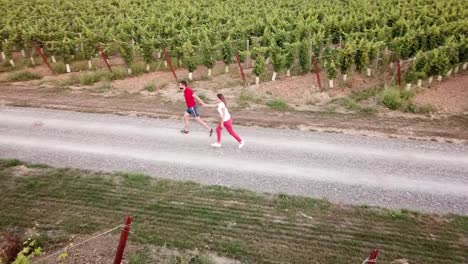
{"x": 410, "y": 107}
{"x": 288, "y": 202}
{"x": 150, "y": 87}
{"x": 362, "y": 95}
{"x": 460, "y": 222}
{"x": 136, "y": 179}
{"x": 7, "y": 163}
{"x": 141, "y": 257}
{"x": 247, "y": 97}
{"x": 391, "y": 98}
{"x": 138, "y": 68}
{"x": 72, "y": 80}
{"x": 58, "y": 67}
{"x": 250, "y": 227}
{"x": 119, "y": 73}
{"x": 88, "y": 78}
{"x": 23, "y": 76}
{"x": 278, "y": 104}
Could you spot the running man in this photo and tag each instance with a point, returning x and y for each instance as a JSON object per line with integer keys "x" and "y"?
{"x": 226, "y": 121}
{"x": 192, "y": 109}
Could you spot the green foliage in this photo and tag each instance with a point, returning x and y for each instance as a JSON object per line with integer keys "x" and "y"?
{"x": 330, "y": 58}
{"x": 126, "y": 51}
{"x": 278, "y": 59}
{"x": 438, "y": 62}
{"x": 23, "y": 76}
{"x": 190, "y": 56}
{"x": 361, "y": 56}
{"x": 291, "y": 53}
{"x": 58, "y": 67}
{"x": 391, "y": 98}
{"x": 278, "y": 105}
{"x": 259, "y": 68}
{"x": 346, "y": 59}
{"x": 227, "y": 51}
{"x": 208, "y": 51}
{"x": 147, "y": 48}
{"x": 304, "y": 56}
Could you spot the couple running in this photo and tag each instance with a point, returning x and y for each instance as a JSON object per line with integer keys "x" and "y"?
{"x": 192, "y": 111}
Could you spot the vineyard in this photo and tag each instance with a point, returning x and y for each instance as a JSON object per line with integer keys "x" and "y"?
{"x": 346, "y": 36}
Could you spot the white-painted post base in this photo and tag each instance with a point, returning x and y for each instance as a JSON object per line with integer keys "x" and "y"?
{"x": 408, "y": 86}
{"x": 369, "y": 72}
{"x": 165, "y": 64}
{"x": 267, "y": 61}
{"x": 391, "y": 65}
{"x": 331, "y": 84}
{"x": 457, "y": 69}
{"x": 129, "y": 71}
{"x": 23, "y": 53}
{"x": 273, "y": 78}
{"x": 439, "y": 78}
{"x": 209, "y": 72}
{"x": 419, "y": 83}
{"x": 90, "y": 64}
{"x": 12, "y": 63}
{"x": 465, "y": 66}
{"x": 226, "y": 68}
{"x": 159, "y": 55}
{"x": 449, "y": 73}
{"x": 190, "y": 76}
{"x": 53, "y": 59}
{"x": 3, "y": 56}
{"x": 147, "y": 67}
{"x": 68, "y": 68}
{"x": 257, "y": 80}
{"x": 345, "y": 77}
{"x": 288, "y": 73}
{"x": 33, "y": 62}
{"x": 430, "y": 79}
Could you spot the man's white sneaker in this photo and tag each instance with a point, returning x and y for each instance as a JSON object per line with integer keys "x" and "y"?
{"x": 216, "y": 145}
{"x": 241, "y": 144}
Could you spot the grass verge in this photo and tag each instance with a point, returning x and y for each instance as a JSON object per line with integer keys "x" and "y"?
{"x": 23, "y": 76}
{"x": 250, "y": 227}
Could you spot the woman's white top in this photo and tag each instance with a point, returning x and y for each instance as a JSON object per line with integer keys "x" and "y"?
{"x": 222, "y": 106}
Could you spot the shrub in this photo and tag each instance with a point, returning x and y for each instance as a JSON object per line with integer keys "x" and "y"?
{"x": 24, "y": 76}
{"x": 391, "y": 98}
{"x": 58, "y": 67}
{"x": 138, "y": 68}
{"x": 150, "y": 87}
{"x": 278, "y": 105}
{"x": 88, "y": 78}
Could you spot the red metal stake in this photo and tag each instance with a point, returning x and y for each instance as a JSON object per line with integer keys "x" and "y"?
{"x": 123, "y": 240}
{"x": 372, "y": 257}
{"x": 241, "y": 69}
{"x": 38, "y": 49}
{"x": 104, "y": 57}
{"x": 317, "y": 73}
{"x": 399, "y": 73}
{"x": 168, "y": 59}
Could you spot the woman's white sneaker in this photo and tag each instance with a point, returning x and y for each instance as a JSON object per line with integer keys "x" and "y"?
{"x": 216, "y": 145}
{"x": 241, "y": 144}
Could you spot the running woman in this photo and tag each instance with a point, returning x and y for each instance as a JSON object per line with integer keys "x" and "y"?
{"x": 192, "y": 109}
{"x": 226, "y": 121}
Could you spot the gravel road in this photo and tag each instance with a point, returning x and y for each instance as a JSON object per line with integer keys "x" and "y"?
{"x": 423, "y": 176}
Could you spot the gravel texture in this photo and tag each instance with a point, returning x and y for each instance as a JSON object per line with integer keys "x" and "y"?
{"x": 422, "y": 176}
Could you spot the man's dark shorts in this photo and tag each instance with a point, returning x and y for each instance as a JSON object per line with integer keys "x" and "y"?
{"x": 193, "y": 111}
